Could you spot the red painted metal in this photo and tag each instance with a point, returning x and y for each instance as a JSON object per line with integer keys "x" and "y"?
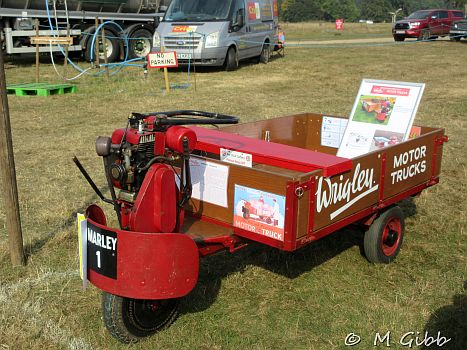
{"x": 290, "y": 224}
{"x": 151, "y": 265}
{"x": 175, "y": 136}
{"x": 155, "y": 208}
{"x": 393, "y": 225}
{"x": 283, "y": 156}
{"x": 382, "y": 177}
{"x": 312, "y": 208}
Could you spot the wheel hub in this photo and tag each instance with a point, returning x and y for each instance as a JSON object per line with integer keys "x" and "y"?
{"x": 391, "y": 238}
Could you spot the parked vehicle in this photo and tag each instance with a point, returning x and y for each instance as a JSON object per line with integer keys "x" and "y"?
{"x": 458, "y": 30}
{"x": 134, "y": 19}
{"x": 219, "y": 32}
{"x": 426, "y": 24}
{"x": 296, "y": 192}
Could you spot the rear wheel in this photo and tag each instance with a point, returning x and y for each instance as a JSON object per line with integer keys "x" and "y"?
{"x": 231, "y": 60}
{"x": 140, "y": 43}
{"x": 112, "y": 47}
{"x": 129, "y": 320}
{"x": 383, "y": 239}
{"x": 265, "y": 54}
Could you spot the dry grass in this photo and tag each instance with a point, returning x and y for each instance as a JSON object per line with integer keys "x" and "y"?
{"x": 258, "y": 298}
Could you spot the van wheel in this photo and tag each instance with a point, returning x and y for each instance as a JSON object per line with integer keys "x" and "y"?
{"x": 383, "y": 239}
{"x": 265, "y": 54}
{"x": 399, "y": 38}
{"x": 231, "y": 60}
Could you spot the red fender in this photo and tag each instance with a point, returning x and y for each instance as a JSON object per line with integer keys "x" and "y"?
{"x": 141, "y": 265}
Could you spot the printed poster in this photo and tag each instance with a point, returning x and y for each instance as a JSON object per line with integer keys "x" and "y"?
{"x": 332, "y": 130}
{"x": 382, "y": 115}
{"x": 259, "y": 212}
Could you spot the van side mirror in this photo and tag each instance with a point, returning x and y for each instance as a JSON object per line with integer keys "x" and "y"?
{"x": 240, "y": 18}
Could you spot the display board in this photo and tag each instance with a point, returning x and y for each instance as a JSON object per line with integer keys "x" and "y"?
{"x": 382, "y": 115}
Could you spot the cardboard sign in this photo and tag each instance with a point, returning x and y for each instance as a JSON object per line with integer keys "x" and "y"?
{"x": 382, "y": 115}
{"x": 162, "y": 60}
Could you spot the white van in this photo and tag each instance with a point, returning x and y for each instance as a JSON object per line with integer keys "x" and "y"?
{"x": 218, "y": 32}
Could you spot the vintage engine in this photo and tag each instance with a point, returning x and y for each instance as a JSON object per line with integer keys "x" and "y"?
{"x": 142, "y": 162}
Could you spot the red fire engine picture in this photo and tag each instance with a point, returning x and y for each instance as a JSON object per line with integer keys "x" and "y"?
{"x": 375, "y": 109}
{"x": 260, "y": 212}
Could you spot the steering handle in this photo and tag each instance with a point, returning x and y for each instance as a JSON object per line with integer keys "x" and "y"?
{"x": 169, "y": 118}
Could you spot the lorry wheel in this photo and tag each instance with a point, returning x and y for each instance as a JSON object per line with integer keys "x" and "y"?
{"x": 231, "y": 60}
{"x": 265, "y": 54}
{"x": 140, "y": 43}
{"x": 384, "y": 237}
{"x": 113, "y": 49}
{"x": 399, "y": 38}
{"x": 129, "y": 320}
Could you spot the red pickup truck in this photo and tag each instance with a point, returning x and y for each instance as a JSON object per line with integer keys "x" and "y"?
{"x": 426, "y": 24}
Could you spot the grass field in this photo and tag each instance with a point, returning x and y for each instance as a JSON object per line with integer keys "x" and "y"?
{"x": 258, "y": 298}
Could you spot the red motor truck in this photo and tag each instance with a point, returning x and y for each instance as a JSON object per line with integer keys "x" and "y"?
{"x": 426, "y": 24}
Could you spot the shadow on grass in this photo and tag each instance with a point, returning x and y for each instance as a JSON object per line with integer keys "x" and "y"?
{"x": 451, "y": 323}
{"x": 291, "y": 265}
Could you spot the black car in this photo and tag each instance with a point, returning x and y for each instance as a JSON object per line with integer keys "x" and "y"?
{"x": 458, "y": 30}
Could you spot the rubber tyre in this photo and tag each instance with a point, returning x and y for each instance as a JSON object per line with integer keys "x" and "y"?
{"x": 383, "y": 239}
{"x": 113, "y": 48}
{"x": 139, "y": 43}
{"x": 399, "y": 38}
{"x": 455, "y": 38}
{"x": 231, "y": 60}
{"x": 130, "y": 320}
{"x": 265, "y": 54}
{"x": 424, "y": 35}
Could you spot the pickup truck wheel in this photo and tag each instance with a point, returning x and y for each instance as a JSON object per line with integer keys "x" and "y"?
{"x": 129, "y": 320}
{"x": 383, "y": 239}
{"x": 455, "y": 38}
{"x": 399, "y": 38}
{"x": 231, "y": 60}
{"x": 424, "y": 35}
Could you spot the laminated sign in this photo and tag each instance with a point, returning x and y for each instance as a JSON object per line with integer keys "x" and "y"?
{"x": 162, "y": 60}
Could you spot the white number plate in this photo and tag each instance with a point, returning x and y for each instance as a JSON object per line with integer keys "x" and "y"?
{"x": 184, "y": 56}
{"x": 400, "y": 31}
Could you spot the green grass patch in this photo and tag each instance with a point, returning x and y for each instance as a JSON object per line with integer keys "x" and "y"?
{"x": 258, "y": 298}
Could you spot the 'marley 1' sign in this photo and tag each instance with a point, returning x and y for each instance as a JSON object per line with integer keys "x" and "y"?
{"x": 162, "y": 60}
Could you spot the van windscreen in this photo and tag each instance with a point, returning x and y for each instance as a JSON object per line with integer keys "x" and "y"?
{"x": 198, "y": 10}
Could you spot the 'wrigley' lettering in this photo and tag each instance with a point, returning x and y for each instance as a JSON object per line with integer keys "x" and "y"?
{"x": 411, "y": 170}
{"x": 101, "y": 240}
{"x": 333, "y": 193}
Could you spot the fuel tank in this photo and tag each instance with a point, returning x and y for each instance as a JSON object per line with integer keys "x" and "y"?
{"x": 125, "y": 6}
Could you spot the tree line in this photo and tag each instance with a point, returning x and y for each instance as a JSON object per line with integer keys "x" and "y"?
{"x": 353, "y": 10}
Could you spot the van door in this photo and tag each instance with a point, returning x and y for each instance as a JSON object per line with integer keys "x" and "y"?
{"x": 238, "y": 31}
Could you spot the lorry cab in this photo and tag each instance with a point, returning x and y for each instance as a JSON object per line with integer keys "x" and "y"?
{"x": 218, "y": 32}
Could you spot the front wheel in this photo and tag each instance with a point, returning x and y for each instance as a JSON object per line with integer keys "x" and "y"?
{"x": 383, "y": 239}
{"x": 231, "y": 60}
{"x": 129, "y": 320}
{"x": 424, "y": 35}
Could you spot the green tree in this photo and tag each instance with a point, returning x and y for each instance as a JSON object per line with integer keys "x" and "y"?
{"x": 346, "y": 9}
{"x": 376, "y": 10}
{"x": 300, "y": 10}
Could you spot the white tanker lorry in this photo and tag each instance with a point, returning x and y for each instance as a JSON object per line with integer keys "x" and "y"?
{"x": 132, "y": 21}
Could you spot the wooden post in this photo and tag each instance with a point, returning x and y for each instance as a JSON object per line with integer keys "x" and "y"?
{"x": 37, "y": 52}
{"x": 96, "y": 44}
{"x": 166, "y": 75}
{"x": 8, "y": 173}
{"x": 104, "y": 45}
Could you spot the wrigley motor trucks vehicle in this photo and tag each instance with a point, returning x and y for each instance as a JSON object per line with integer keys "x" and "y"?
{"x": 218, "y": 32}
